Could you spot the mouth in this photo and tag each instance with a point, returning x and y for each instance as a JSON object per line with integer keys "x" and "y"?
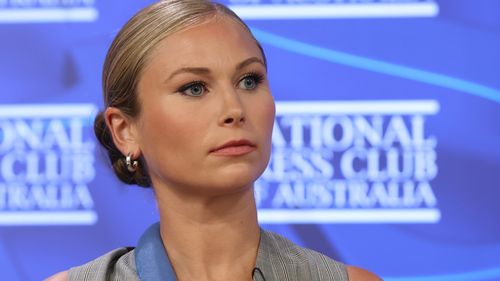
{"x": 234, "y": 148}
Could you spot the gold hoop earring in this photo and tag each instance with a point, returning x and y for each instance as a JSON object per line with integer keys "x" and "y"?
{"x": 131, "y": 165}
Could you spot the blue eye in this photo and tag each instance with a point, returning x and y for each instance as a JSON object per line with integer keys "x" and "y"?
{"x": 250, "y": 82}
{"x": 193, "y": 89}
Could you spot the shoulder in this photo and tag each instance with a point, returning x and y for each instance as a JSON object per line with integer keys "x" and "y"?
{"x": 61, "y": 276}
{"x": 359, "y": 274}
{"x": 118, "y": 264}
{"x": 314, "y": 265}
{"x": 287, "y": 256}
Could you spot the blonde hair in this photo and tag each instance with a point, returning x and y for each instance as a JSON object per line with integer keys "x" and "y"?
{"x": 127, "y": 57}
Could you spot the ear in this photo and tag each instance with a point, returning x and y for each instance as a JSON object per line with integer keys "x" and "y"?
{"x": 123, "y": 131}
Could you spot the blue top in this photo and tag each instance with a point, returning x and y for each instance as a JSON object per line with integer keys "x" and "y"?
{"x": 151, "y": 259}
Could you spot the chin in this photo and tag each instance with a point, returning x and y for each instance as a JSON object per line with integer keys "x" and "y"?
{"x": 234, "y": 180}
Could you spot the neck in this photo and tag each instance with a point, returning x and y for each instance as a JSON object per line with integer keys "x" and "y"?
{"x": 210, "y": 238}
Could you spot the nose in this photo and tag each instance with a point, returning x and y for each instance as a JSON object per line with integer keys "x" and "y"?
{"x": 233, "y": 113}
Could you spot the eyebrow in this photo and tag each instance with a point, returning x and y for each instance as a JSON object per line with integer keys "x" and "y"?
{"x": 206, "y": 71}
{"x": 250, "y": 61}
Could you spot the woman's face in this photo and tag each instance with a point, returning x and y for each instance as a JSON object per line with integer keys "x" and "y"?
{"x": 203, "y": 88}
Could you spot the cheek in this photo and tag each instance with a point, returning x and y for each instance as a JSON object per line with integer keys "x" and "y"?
{"x": 169, "y": 137}
{"x": 264, "y": 116}
{"x": 264, "y": 126}
{"x": 267, "y": 116}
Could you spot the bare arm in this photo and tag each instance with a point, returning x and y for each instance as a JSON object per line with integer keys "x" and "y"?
{"x": 359, "y": 274}
{"x": 61, "y": 276}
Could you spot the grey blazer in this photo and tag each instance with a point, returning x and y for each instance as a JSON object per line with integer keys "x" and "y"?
{"x": 278, "y": 259}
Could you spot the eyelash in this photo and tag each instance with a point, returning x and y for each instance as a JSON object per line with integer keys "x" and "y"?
{"x": 188, "y": 86}
{"x": 258, "y": 78}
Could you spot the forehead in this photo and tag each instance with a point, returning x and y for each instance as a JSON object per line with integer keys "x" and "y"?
{"x": 217, "y": 40}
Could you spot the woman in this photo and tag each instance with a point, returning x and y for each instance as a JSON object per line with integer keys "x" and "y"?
{"x": 190, "y": 113}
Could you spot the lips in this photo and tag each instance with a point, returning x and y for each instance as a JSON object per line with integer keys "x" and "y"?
{"x": 234, "y": 147}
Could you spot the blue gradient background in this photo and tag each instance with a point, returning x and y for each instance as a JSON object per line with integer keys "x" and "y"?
{"x": 453, "y": 58}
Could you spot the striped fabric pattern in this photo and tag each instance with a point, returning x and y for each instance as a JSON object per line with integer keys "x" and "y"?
{"x": 278, "y": 259}
{"x": 117, "y": 265}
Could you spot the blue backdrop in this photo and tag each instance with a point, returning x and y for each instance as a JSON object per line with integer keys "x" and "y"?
{"x": 386, "y": 146}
